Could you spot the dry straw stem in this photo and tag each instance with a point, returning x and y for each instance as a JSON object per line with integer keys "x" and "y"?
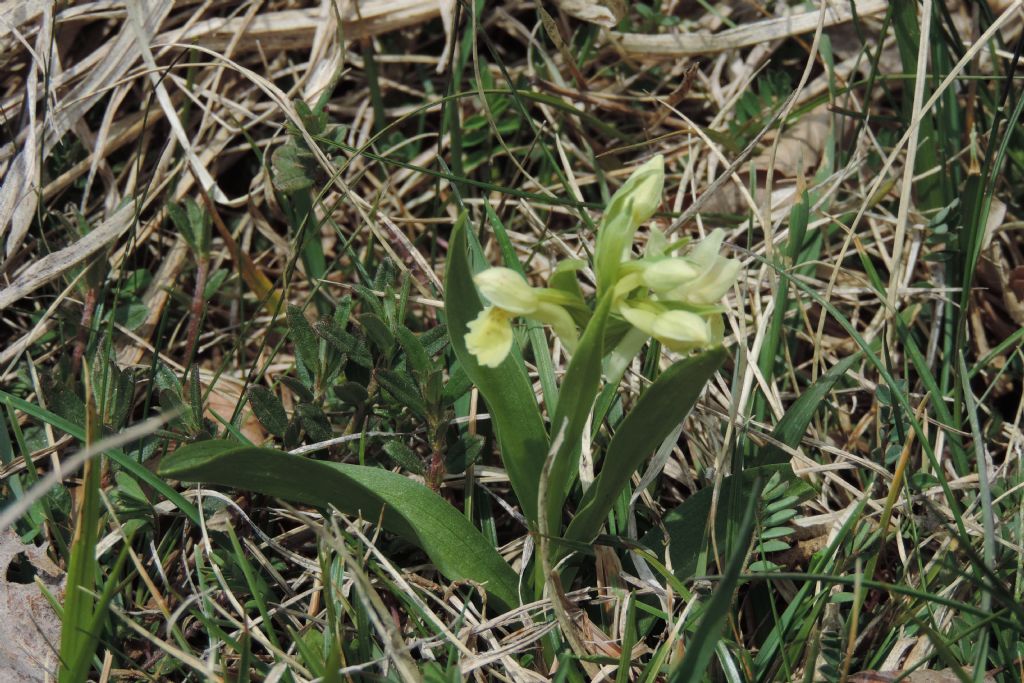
{"x": 293, "y": 29}
{"x": 701, "y": 44}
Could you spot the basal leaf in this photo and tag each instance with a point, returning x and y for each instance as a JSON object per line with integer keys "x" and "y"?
{"x": 507, "y": 389}
{"x": 660, "y": 409}
{"x": 579, "y": 389}
{"x": 410, "y": 510}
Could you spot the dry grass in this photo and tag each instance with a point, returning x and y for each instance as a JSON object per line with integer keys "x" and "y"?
{"x": 112, "y": 111}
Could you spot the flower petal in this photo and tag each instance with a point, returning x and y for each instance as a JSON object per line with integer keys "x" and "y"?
{"x": 490, "y": 336}
{"x": 713, "y": 284}
{"x": 706, "y": 251}
{"x": 682, "y": 326}
{"x": 669, "y": 273}
{"x": 641, "y": 318}
{"x": 561, "y": 322}
{"x": 505, "y": 288}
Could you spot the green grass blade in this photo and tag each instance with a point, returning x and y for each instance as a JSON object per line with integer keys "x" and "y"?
{"x": 132, "y": 466}
{"x": 793, "y": 425}
{"x": 701, "y": 647}
{"x": 77, "y": 641}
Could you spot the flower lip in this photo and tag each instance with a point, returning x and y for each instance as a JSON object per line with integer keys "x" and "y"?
{"x": 489, "y": 337}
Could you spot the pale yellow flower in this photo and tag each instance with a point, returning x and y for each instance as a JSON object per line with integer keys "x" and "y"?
{"x": 717, "y": 274}
{"x": 677, "y": 330}
{"x": 669, "y": 273}
{"x": 490, "y": 335}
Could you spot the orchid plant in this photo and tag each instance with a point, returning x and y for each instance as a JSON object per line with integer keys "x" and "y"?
{"x": 671, "y": 293}
{"x": 662, "y": 294}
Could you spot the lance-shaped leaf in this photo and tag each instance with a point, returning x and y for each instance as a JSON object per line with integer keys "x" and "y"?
{"x": 579, "y": 389}
{"x": 506, "y": 388}
{"x": 660, "y": 409}
{"x": 406, "y": 507}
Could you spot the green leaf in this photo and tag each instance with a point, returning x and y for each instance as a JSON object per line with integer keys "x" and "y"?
{"x": 171, "y": 402}
{"x": 126, "y": 462}
{"x": 268, "y": 410}
{"x": 415, "y": 355}
{"x": 193, "y": 223}
{"x": 165, "y": 379}
{"x": 579, "y": 389}
{"x": 435, "y": 339}
{"x": 307, "y": 347}
{"x": 377, "y": 332}
{"x": 463, "y": 453}
{"x": 195, "y": 394}
{"x": 213, "y": 283}
{"x": 342, "y": 311}
{"x": 63, "y": 400}
{"x": 124, "y": 395}
{"x": 660, "y": 410}
{"x": 352, "y": 393}
{"x": 315, "y": 122}
{"x": 313, "y": 420}
{"x": 77, "y": 644}
{"x": 293, "y": 168}
{"x": 404, "y": 390}
{"x": 687, "y": 524}
{"x": 385, "y": 274}
{"x": 793, "y": 425}
{"x": 457, "y": 385}
{"x": 298, "y": 388}
{"x": 181, "y": 222}
{"x": 131, "y": 315}
{"x": 507, "y": 389}
{"x": 410, "y": 510}
{"x": 404, "y": 456}
{"x": 334, "y": 334}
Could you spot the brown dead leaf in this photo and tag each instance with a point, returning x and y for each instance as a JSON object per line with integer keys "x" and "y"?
{"x": 29, "y": 628}
{"x": 222, "y": 400}
{"x": 801, "y": 146}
